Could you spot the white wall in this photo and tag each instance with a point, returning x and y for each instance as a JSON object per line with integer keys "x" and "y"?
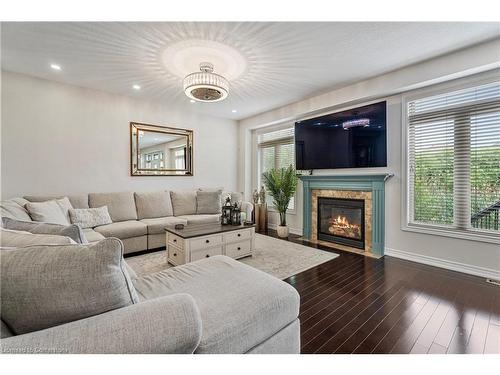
{"x": 469, "y": 256}
{"x": 63, "y": 139}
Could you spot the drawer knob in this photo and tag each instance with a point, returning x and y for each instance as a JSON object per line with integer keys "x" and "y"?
{"x": 175, "y": 240}
{"x": 207, "y": 256}
{"x": 239, "y": 234}
{"x": 175, "y": 254}
{"x": 207, "y": 241}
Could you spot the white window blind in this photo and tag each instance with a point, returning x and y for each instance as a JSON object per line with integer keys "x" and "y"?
{"x": 276, "y": 150}
{"x": 454, "y": 159}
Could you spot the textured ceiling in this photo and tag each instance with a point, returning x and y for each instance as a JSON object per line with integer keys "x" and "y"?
{"x": 284, "y": 62}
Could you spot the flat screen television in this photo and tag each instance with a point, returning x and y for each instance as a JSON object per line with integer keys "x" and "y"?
{"x": 355, "y": 138}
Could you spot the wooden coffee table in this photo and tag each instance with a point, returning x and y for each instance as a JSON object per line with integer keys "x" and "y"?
{"x": 198, "y": 241}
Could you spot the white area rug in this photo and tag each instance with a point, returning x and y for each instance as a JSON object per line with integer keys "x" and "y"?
{"x": 277, "y": 257}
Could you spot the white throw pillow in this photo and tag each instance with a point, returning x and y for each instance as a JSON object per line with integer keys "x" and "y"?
{"x": 55, "y": 211}
{"x": 90, "y": 217}
{"x": 17, "y": 238}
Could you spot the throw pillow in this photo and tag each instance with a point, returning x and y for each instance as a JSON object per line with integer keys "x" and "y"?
{"x": 183, "y": 202}
{"x": 72, "y": 231}
{"x": 208, "y": 202}
{"x": 90, "y": 217}
{"x": 55, "y": 211}
{"x": 16, "y": 238}
{"x": 45, "y": 286}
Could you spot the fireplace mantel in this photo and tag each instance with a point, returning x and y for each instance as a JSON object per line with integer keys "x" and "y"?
{"x": 374, "y": 183}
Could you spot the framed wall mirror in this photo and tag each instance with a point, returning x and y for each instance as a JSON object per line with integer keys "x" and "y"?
{"x": 160, "y": 151}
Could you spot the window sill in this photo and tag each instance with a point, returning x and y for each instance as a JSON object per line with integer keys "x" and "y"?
{"x": 454, "y": 233}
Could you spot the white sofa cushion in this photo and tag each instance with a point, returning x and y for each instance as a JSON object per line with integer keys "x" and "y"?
{"x": 153, "y": 204}
{"x": 183, "y": 202}
{"x": 252, "y": 307}
{"x": 157, "y": 226}
{"x": 16, "y": 238}
{"x": 92, "y": 236}
{"x": 123, "y": 229}
{"x": 55, "y": 211}
{"x": 45, "y": 286}
{"x": 90, "y": 217}
{"x": 14, "y": 208}
{"x": 209, "y": 202}
{"x": 121, "y": 206}
{"x": 77, "y": 201}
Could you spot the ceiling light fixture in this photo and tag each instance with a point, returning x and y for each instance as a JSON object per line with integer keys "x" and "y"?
{"x": 205, "y": 85}
{"x": 234, "y": 111}
{"x": 136, "y": 87}
{"x": 362, "y": 122}
{"x": 55, "y": 66}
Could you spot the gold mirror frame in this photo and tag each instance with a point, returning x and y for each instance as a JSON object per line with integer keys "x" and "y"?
{"x": 136, "y": 127}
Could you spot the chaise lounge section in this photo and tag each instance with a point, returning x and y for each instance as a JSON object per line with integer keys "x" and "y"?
{"x": 215, "y": 305}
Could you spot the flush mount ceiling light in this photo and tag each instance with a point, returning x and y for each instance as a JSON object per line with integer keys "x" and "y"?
{"x": 205, "y": 85}
{"x": 362, "y": 122}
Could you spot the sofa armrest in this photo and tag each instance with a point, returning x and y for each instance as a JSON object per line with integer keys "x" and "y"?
{"x": 170, "y": 324}
{"x": 247, "y": 207}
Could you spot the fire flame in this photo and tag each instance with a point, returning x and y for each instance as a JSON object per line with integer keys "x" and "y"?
{"x": 341, "y": 226}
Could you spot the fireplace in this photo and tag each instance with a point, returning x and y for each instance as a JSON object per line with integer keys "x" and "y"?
{"x": 341, "y": 221}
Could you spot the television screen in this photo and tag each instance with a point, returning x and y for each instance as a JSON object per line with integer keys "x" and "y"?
{"x": 355, "y": 138}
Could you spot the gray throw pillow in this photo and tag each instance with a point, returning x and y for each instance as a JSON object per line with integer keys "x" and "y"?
{"x": 90, "y": 217}
{"x": 55, "y": 211}
{"x": 208, "y": 202}
{"x": 45, "y": 286}
{"x": 72, "y": 231}
{"x": 183, "y": 202}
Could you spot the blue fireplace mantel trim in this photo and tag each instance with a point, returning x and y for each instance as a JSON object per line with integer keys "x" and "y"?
{"x": 369, "y": 182}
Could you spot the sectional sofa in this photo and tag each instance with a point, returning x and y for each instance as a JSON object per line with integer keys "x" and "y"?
{"x": 139, "y": 218}
{"x": 83, "y": 298}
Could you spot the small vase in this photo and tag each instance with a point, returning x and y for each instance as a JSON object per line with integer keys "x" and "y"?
{"x": 282, "y": 231}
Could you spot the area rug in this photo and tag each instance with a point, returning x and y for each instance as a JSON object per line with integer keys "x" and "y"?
{"x": 277, "y": 257}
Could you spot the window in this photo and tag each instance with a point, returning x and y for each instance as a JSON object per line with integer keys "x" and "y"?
{"x": 179, "y": 159}
{"x": 454, "y": 160}
{"x": 276, "y": 150}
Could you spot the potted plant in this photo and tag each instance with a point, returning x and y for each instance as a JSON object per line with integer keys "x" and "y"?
{"x": 281, "y": 185}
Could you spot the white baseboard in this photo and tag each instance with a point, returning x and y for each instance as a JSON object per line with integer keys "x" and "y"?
{"x": 442, "y": 263}
{"x": 292, "y": 230}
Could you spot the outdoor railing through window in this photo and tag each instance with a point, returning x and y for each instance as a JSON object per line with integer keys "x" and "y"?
{"x": 454, "y": 159}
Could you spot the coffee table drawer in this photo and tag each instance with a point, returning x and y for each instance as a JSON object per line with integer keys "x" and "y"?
{"x": 205, "y": 242}
{"x": 175, "y": 240}
{"x": 205, "y": 253}
{"x": 238, "y": 249}
{"x": 237, "y": 236}
{"x": 176, "y": 255}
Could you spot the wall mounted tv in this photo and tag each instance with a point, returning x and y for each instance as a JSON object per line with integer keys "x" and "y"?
{"x": 355, "y": 138}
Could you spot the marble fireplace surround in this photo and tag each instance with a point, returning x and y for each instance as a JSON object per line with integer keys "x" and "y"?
{"x": 370, "y": 187}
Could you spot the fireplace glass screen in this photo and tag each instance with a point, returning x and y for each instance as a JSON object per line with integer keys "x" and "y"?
{"x": 342, "y": 221}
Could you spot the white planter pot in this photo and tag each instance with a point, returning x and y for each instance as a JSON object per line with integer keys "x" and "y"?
{"x": 282, "y": 230}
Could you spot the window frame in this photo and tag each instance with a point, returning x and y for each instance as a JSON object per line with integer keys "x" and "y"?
{"x": 258, "y": 177}
{"x": 436, "y": 229}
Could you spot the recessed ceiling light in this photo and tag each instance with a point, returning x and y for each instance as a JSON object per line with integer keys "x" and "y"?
{"x": 136, "y": 87}
{"x": 193, "y": 101}
{"x": 234, "y": 111}
{"x": 55, "y": 66}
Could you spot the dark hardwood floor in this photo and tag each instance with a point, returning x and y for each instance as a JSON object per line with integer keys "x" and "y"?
{"x": 355, "y": 304}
